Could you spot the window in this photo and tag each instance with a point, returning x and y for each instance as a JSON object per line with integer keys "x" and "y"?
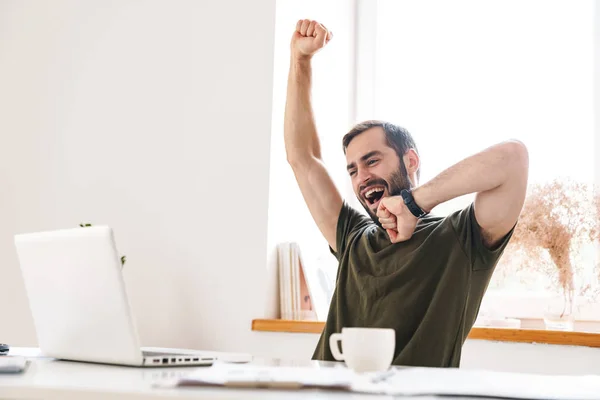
{"x": 289, "y": 218}
{"x": 466, "y": 74}
{"x": 459, "y": 76}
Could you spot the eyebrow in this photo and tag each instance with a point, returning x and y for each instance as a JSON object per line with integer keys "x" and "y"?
{"x": 365, "y": 158}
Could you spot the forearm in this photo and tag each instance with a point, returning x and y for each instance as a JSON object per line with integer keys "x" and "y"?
{"x": 300, "y": 132}
{"x": 482, "y": 172}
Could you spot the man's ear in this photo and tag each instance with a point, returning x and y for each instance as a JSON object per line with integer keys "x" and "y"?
{"x": 411, "y": 161}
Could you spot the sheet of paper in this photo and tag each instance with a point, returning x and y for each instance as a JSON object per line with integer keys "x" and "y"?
{"x": 461, "y": 382}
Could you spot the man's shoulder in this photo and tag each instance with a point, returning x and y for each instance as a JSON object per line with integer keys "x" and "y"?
{"x": 452, "y": 218}
{"x": 351, "y": 223}
{"x": 443, "y": 226}
{"x": 432, "y": 222}
{"x": 354, "y": 216}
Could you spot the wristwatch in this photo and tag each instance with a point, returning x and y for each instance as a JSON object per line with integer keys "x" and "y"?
{"x": 409, "y": 200}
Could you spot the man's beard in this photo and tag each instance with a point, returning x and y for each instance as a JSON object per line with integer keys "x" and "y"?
{"x": 397, "y": 182}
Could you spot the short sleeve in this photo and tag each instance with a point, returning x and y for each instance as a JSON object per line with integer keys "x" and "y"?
{"x": 350, "y": 221}
{"x": 469, "y": 235}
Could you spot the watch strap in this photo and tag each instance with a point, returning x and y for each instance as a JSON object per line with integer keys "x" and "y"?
{"x": 413, "y": 207}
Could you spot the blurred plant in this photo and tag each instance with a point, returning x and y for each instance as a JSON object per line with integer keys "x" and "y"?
{"x": 123, "y": 258}
{"x": 558, "y": 217}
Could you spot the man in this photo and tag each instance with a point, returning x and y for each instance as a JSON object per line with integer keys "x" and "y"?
{"x": 402, "y": 268}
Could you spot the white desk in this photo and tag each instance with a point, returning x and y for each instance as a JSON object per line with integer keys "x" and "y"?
{"x": 52, "y": 379}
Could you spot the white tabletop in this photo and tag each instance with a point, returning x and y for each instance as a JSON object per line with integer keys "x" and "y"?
{"x": 51, "y": 379}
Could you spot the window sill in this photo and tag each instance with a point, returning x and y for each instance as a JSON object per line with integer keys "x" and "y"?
{"x": 495, "y": 334}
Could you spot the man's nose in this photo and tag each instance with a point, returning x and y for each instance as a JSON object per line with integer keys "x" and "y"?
{"x": 363, "y": 175}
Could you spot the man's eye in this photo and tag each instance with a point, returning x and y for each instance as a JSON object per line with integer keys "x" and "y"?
{"x": 372, "y": 162}
{"x": 352, "y": 173}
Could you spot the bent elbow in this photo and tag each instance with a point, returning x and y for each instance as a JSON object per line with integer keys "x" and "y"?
{"x": 517, "y": 150}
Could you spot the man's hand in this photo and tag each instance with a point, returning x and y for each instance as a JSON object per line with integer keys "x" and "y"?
{"x": 396, "y": 218}
{"x": 387, "y": 220}
{"x": 309, "y": 38}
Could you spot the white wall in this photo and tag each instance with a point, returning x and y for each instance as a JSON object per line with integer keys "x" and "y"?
{"x": 153, "y": 117}
{"x": 530, "y": 358}
{"x": 477, "y": 354}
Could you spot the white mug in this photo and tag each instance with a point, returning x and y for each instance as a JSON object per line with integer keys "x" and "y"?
{"x": 364, "y": 349}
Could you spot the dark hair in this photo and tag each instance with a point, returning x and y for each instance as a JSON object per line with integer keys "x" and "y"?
{"x": 397, "y": 138}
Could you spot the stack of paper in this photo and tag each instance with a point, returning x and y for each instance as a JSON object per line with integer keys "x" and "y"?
{"x": 402, "y": 381}
{"x": 294, "y": 295}
{"x": 270, "y": 377}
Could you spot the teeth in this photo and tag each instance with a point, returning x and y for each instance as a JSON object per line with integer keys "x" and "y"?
{"x": 371, "y": 191}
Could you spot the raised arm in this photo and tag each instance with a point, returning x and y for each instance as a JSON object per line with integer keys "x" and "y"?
{"x": 301, "y": 140}
{"x": 498, "y": 175}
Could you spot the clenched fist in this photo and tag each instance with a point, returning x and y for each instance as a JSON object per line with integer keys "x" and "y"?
{"x": 309, "y": 38}
{"x": 396, "y": 218}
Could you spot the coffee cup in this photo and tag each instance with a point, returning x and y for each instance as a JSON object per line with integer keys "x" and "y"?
{"x": 364, "y": 349}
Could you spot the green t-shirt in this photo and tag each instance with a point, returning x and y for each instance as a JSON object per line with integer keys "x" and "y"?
{"x": 428, "y": 288}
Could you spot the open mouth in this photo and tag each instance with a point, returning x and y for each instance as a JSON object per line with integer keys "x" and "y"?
{"x": 374, "y": 194}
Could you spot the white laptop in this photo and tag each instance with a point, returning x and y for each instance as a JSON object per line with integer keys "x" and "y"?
{"x": 78, "y": 300}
